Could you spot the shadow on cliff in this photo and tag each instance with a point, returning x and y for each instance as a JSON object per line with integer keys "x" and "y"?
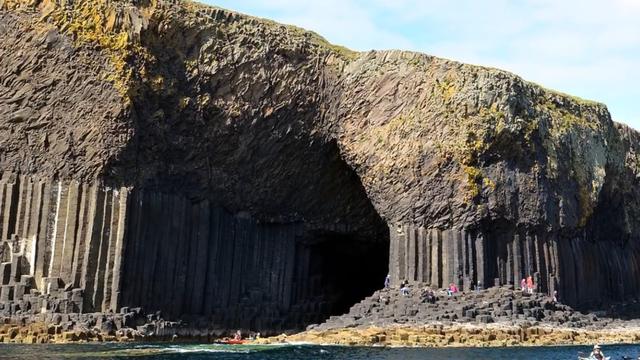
{"x": 600, "y": 259}
{"x": 192, "y": 155}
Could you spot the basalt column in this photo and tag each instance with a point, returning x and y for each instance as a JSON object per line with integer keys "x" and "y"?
{"x": 503, "y": 256}
{"x": 437, "y": 257}
{"x": 589, "y": 269}
{"x": 470, "y": 258}
{"x": 58, "y": 236}
{"x": 191, "y": 258}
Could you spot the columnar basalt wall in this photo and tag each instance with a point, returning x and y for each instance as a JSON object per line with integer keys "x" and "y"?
{"x": 71, "y": 247}
{"x": 436, "y": 257}
{"x": 193, "y": 258}
{"x": 469, "y": 258}
{"x": 197, "y": 259}
{"x": 58, "y": 236}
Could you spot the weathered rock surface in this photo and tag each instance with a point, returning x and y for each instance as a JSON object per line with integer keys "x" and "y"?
{"x": 461, "y": 335}
{"x": 243, "y": 173}
{"x": 498, "y": 316}
{"x": 128, "y": 325}
{"x": 386, "y": 308}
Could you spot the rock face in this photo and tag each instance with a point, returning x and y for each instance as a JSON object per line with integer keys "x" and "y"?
{"x": 504, "y": 305}
{"x": 483, "y": 177}
{"x": 498, "y": 316}
{"x": 243, "y": 173}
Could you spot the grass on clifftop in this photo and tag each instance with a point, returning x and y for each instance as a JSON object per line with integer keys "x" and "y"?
{"x": 313, "y": 37}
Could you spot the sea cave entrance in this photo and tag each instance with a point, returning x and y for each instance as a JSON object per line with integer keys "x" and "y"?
{"x": 346, "y": 268}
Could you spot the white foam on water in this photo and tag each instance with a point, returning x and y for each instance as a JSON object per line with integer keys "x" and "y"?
{"x": 190, "y": 349}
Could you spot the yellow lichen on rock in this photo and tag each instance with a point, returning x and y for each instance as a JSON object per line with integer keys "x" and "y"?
{"x": 572, "y": 127}
{"x": 460, "y": 335}
{"x": 114, "y": 26}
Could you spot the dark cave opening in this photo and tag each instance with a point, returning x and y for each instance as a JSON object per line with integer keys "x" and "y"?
{"x": 348, "y": 268}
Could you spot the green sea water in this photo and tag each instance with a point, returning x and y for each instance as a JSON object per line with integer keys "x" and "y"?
{"x": 295, "y": 352}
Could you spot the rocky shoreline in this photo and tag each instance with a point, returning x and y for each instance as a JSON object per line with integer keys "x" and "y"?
{"x": 498, "y": 316}
{"x": 128, "y": 325}
{"x": 461, "y": 335}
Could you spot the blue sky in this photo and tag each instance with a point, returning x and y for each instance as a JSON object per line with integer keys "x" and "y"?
{"x": 588, "y": 48}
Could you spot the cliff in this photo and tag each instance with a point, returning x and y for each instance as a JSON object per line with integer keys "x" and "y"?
{"x": 242, "y": 173}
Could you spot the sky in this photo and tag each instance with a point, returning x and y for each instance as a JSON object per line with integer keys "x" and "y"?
{"x": 587, "y": 48}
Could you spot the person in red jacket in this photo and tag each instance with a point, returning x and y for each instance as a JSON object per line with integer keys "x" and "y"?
{"x": 530, "y": 284}
{"x": 452, "y": 289}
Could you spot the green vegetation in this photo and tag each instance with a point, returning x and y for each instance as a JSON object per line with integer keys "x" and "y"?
{"x": 479, "y": 132}
{"x": 575, "y": 99}
{"x": 571, "y": 124}
{"x": 104, "y": 22}
{"x": 563, "y": 120}
{"x": 447, "y": 88}
{"x": 318, "y": 40}
{"x": 93, "y": 22}
{"x": 294, "y": 31}
{"x": 474, "y": 181}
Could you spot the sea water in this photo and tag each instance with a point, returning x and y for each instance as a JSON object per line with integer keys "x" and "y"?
{"x": 296, "y": 352}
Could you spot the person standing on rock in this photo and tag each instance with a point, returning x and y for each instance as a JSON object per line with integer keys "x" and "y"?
{"x": 523, "y": 285}
{"x": 452, "y": 289}
{"x": 404, "y": 290}
{"x": 530, "y": 284}
{"x": 387, "y": 281}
